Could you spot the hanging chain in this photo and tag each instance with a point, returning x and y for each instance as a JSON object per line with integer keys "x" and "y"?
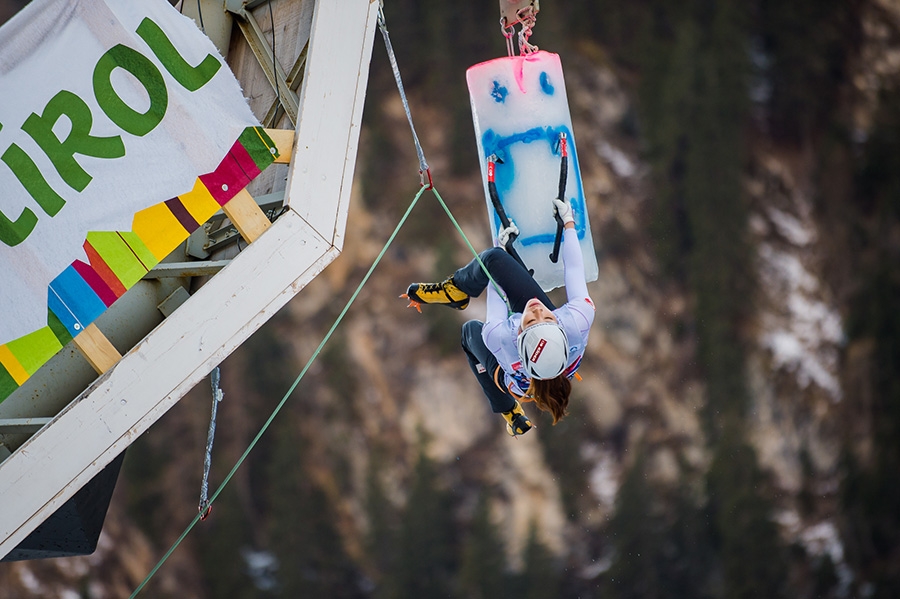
{"x": 519, "y": 12}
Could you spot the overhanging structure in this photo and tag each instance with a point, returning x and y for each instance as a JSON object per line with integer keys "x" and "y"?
{"x": 146, "y": 373}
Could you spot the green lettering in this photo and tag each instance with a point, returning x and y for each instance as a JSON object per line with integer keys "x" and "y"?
{"x": 13, "y": 233}
{"x": 79, "y": 140}
{"x": 29, "y": 175}
{"x": 191, "y": 78}
{"x": 123, "y": 115}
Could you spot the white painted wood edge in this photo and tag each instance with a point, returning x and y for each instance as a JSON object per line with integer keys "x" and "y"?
{"x": 122, "y": 404}
{"x": 119, "y": 406}
{"x": 333, "y": 90}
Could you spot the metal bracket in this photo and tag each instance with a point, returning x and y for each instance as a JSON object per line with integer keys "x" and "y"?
{"x": 212, "y": 236}
{"x": 186, "y": 269}
{"x": 518, "y": 12}
{"x": 513, "y": 12}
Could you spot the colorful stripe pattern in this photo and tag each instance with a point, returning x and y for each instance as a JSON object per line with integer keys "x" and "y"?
{"x": 117, "y": 260}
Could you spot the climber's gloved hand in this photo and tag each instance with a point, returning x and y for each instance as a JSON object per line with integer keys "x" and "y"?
{"x": 564, "y": 210}
{"x": 504, "y": 234}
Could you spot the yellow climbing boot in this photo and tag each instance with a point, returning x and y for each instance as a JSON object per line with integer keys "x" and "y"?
{"x": 445, "y": 293}
{"x": 517, "y": 423}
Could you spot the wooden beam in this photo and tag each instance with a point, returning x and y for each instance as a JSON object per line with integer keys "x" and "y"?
{"x": 247, "y": 216}
{"x": 97, "y": 349}
{"x": 284, "y": 141}
{"x": 333, "y": 91}
{"x": 42, "y": 474}
{"x": 110, "y": 414}
{"x": 272, "y": 69}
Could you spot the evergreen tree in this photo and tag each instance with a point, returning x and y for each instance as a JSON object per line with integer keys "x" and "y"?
{"x": 668, "y": 97}
{"x": 807, "y": 47}
{"x": 753, "y": 561}
{"x": 311, "y": 556}
{"x": 222, "y": 541}
{"x": 541, "y": 577}
{"x": 719, "y": 266}
{"x": 694, "y": 109}
{"x": 426, "y": 548}
{"x": 483, "y": 572}
{"x": 870, "y": 492}
{"x": 687, "y": 547}
{"x": 380, "y": 542}
{"x": 561, "y": 444}
{"x": 662, "y": 542}
{"x": 634, "y": 533}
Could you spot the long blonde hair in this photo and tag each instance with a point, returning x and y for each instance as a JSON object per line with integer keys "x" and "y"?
{"x": 551, "y": 395}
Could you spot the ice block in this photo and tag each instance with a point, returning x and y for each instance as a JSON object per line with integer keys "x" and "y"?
{"x": 519, "y": 108}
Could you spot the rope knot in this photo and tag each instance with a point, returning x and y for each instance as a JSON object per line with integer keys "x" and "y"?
{"x": 423, "y": 175}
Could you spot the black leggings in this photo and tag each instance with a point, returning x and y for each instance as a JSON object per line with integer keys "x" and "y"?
{"x": 512, "y": 277}
{"x": 519, "y": 287}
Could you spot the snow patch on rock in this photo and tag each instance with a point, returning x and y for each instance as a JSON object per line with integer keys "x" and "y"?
{"x": 803, "y": 334}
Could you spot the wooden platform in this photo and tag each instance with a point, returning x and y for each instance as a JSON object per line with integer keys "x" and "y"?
{"x": 282, "y": 258}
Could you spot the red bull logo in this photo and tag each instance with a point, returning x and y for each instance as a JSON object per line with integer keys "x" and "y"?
{"x": 537, "y": 350}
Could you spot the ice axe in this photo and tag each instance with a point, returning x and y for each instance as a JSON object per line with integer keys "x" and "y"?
{"x": 563, "y": 175}
{"x": 504, "y": 219}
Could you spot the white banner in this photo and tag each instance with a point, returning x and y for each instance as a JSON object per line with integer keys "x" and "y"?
{"x": 106, "y": 108}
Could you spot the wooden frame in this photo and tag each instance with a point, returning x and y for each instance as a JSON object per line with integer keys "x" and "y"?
{"x": 124, "y": 402}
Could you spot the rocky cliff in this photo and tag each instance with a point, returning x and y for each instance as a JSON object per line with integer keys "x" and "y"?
{"x": 391, "y": 384}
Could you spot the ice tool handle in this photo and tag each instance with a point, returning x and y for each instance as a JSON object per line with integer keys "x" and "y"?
{"x": 563, "y": 176}
{"x": 501, "y": 212}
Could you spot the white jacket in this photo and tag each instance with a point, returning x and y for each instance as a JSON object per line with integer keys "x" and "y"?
{"x": 501, "y": 328}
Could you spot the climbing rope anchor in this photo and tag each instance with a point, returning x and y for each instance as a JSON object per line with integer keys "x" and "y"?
{"x": 514, "y": 12}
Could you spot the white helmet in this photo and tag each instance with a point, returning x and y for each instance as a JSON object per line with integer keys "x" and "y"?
{"x": 544, "y": 350}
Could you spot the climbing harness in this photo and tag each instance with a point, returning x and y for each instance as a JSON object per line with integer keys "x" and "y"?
{"x": 563, "y": 176}
{"x": 217, "y": 396}
{"x": 515, "y": 12}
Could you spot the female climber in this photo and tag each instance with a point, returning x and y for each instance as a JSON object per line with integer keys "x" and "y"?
{"x": 532, "y": 353}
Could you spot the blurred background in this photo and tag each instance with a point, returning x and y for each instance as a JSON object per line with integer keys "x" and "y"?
{"x": 737, "y": 431}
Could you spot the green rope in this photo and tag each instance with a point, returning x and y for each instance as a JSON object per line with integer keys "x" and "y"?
{"x": 328, "y": 335}
{"x": 288, "y": 393}
{"x": 312, "y": 359}
{"x": 472, "y": 248}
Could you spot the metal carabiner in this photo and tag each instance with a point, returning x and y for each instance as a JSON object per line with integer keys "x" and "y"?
{"x": 513, "y": 12}
{"x": 508, "y": 33}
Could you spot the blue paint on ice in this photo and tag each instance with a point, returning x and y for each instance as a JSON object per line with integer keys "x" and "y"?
{"x": 504, "y": 174}
{"x": 499, "y": 93}
{"x": 545, "y": 83}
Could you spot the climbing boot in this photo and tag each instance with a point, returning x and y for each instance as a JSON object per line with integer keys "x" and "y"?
{"x": 517, "y": 423}
{"x": 445, "y": 293}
